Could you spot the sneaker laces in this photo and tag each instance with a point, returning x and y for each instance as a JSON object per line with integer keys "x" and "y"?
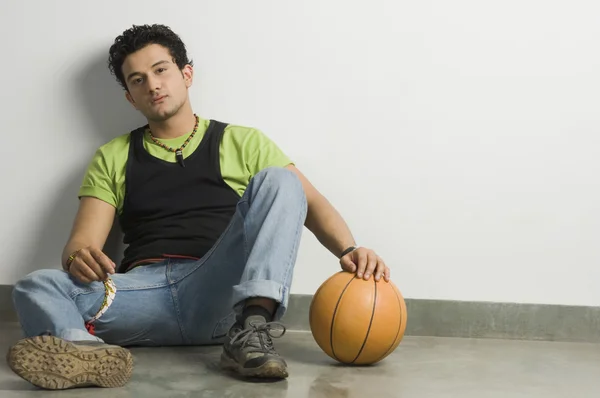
{"x": 258, "y": 336}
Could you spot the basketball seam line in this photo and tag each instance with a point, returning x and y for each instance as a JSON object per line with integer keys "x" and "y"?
{"x": 333, "y": 317}
{"x": 370, "y": 322}
{"x": 399, "y": 327}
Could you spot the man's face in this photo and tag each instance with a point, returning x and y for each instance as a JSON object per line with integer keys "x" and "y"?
{"x": 156, "y": 85}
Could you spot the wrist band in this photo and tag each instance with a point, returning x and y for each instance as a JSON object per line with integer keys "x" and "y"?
{"x": 348, "y": 250}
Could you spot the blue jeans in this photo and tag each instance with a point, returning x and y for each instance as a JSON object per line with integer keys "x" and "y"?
{"x": 182, "y": 301}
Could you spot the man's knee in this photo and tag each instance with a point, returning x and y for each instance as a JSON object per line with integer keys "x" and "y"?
{"x": 39, "y": 280}
{"x": 281, "y": 178}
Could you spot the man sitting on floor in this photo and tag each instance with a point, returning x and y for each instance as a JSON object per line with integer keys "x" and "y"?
{"x": 212, "y": 215}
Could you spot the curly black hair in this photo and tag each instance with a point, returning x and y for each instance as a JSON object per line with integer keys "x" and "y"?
{"x": 138, "y": 37}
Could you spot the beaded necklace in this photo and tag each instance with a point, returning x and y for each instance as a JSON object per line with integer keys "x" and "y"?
{"x": 178, "y": 151}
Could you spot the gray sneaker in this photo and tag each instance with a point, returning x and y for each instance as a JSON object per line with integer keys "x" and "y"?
{"x": 250, "y": 351}
{"x": 55, "y": 364}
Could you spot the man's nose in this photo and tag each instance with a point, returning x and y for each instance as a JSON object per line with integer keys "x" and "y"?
{"x": 153, "y": 84}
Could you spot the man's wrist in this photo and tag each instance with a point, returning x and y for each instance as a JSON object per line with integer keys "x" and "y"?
{"x": 349, "y": 249}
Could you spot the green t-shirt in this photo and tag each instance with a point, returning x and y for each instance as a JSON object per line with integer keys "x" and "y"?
{"x": 243, "y": 153}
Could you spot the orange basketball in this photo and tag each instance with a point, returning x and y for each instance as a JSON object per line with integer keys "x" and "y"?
{"x": 355, "y": 321}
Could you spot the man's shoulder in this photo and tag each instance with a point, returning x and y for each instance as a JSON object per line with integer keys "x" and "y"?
{"x": 244, "y": 135}
{"x": 116, "y": 146}
{"x": 241, "y": 131}
{"x": 117, "y": 143}
{"x": 253, "y": 148}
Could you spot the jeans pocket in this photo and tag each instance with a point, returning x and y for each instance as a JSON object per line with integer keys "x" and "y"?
{"x": 223, "y": 326}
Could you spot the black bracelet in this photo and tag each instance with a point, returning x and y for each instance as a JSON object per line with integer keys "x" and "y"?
{"x": 348, "y": 250}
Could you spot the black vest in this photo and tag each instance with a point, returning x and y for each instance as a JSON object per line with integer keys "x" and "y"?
{"x": 173, "y": 210}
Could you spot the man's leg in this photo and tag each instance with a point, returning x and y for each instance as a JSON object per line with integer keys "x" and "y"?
{"x": 58, "y": 352}
{"x": 242, "y": 285}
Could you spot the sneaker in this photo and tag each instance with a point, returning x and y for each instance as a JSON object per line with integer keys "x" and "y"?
{"x": 250, "y": 351}
{"x": 55, "y": 364}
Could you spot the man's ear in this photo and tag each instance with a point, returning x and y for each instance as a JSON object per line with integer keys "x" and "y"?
{"x": 188, "y": 75}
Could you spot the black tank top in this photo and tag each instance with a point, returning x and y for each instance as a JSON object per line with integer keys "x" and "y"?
{"x": 173, "y": 210}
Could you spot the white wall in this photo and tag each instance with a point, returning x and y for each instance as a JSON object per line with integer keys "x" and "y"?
{"x": 459, "y": 139}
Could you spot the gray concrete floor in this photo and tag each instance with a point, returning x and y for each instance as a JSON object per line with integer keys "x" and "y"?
{"x": 421, "y": 367}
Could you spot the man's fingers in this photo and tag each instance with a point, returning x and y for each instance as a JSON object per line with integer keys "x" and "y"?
{"x": 102, "y": 259}
{"x": 371, "y": 265}
{"x": 81, "y": 278}
{"x": 82, "y": 272}
{"x": 348, "y": 264}
{"x": 380, "y": 270}
{"x": 365, "y": 263}
{"x": 89, "y": 261}
{"x": 362, "y": 262}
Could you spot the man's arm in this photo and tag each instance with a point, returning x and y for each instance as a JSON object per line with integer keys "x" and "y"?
{"x": 91, "y": 228}
{"x": 328, "y": 226}
{"x": 323, "y": 220}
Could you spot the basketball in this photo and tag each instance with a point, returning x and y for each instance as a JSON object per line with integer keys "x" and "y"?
{"x": 357, "y": 321}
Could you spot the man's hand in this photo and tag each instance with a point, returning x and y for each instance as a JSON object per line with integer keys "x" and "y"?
{"x": 91, "y": 264}
{"x": 365, "y": 262}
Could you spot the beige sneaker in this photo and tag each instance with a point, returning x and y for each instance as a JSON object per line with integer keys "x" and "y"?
{"x": 55, "y": 364}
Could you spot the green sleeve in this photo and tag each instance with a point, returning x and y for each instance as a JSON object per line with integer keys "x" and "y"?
{"x": 97, "y": 181}
{"x": 261, "y": 152}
